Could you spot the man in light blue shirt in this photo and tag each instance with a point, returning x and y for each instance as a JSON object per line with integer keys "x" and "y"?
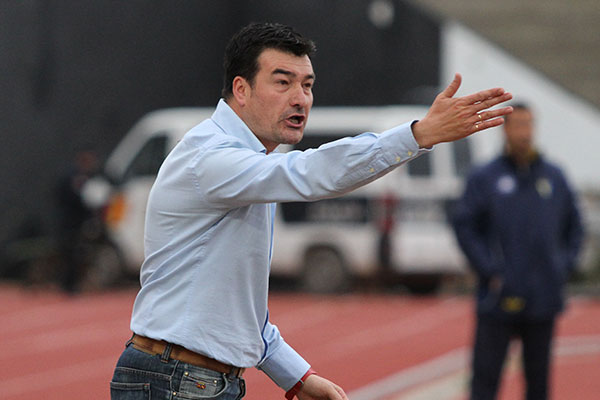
{"x": 201, "y": 315}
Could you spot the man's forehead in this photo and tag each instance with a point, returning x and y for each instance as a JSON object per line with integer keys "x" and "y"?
{"x": 276, "y": 61}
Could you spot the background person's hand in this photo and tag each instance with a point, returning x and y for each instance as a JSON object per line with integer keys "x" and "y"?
{"x": 319, "y": 388}
{"x": 451, "y": 118}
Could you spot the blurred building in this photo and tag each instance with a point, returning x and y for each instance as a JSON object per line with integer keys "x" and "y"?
{"x": 78, "y": 74}
{"x": 558, "y": 38}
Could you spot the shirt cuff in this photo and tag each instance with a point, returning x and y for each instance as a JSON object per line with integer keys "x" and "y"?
{"x": 400, "y": 145}
{"x": 285, "y": 366}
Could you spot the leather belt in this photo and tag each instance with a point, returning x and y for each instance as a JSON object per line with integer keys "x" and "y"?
{"x": 152, "y": 346}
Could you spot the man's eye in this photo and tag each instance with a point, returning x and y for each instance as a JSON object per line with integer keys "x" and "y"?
{"x": 282, "y": 82}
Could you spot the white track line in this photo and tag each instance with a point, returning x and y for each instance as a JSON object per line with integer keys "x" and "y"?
{"x": 421, "y": 373}
{"x": 454, "y": 365}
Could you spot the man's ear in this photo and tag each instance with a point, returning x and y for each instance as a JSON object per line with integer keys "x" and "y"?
{"x": 241, "y": 90}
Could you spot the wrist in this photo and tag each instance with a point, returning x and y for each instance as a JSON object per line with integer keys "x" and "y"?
{"x": 420, "y": 136}
{"x": 289, "y": 395}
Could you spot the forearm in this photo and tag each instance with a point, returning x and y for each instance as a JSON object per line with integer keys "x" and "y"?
{"x": 238, "y": 177}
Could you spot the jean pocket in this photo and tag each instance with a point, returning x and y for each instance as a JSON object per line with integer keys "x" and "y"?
{"x": 200, "y": 383}
{"x": 129, "y": 391}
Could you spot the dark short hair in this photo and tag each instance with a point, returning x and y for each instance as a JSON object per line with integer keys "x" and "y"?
{"x": 517, "y": 106}
{"x": 244, "y": 48}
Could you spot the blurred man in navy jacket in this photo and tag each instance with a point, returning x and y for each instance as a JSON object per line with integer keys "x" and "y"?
{"x": 518, "y": 224}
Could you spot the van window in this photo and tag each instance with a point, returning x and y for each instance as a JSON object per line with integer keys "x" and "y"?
{"x": 420, "y": 166}
{"x": 339, "y": 210}
{"x": 461, "y": 152}
{"x": 149, "y": 159}
{"x": 422, "y": 210}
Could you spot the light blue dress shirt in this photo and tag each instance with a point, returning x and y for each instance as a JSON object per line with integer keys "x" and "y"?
{"x": 209, "y": 233}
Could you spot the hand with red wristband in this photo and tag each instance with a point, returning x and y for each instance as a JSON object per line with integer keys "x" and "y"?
{"x": 314, "y": 387}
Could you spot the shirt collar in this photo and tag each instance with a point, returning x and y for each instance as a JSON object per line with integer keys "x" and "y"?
{"x": 232, "y": 124}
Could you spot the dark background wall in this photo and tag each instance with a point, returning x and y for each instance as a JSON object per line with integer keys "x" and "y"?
{"x": 77, "y": 74}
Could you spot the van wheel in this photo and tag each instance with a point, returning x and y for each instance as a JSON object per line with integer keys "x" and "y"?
{"x": 324, "y": 271}
{"x": 423, "y": 284}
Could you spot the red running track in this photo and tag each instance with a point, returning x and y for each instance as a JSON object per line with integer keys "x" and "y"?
{"x": 388, "y": 347}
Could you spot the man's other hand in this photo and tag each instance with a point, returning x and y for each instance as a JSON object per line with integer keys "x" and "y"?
{"x": 319, "y": 388}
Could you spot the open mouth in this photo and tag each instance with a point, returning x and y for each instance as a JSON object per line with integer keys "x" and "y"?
{"x": 296, "y": 119}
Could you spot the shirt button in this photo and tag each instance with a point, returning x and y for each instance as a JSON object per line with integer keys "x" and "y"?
{"x": 372, "y": 170}
{"x": 410, "y": 153}
{"x": 186, "y": 373}
{"x": 398, "y": 158}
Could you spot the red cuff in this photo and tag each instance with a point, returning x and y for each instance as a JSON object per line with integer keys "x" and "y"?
{"x": 289, "y": 395}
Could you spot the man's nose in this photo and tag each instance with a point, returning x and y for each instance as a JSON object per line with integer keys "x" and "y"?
{"x": 300, "y": 97}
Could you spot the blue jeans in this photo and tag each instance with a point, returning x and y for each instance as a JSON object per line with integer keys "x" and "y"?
{"x": 139, "y": 375}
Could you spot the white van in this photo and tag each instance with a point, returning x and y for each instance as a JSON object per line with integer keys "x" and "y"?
{"x": 328, "y": 243}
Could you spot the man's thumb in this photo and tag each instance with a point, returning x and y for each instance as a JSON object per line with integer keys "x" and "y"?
{"x": 453, "y": 86}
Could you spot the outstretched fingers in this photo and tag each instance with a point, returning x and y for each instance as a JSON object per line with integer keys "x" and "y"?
{"x": 451, "y": 118}
{"x": 489, "y": 114}
{"x": 489, "y": 119}
{"x": 492, "y": 101}
{"x": 487, "y": 98}
{"x": 487, "y": 124}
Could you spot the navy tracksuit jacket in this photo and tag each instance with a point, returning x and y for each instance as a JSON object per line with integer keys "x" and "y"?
{"x": 522, "y": 225}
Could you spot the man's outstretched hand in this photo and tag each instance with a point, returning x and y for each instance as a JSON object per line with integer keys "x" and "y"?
{"x": 451, "y": 118}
